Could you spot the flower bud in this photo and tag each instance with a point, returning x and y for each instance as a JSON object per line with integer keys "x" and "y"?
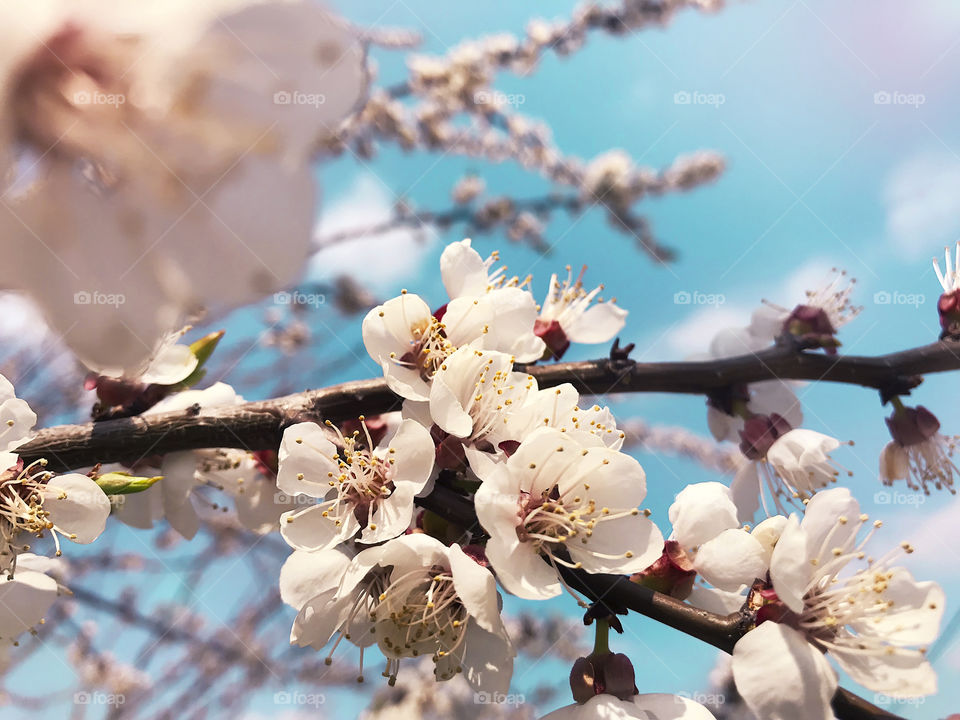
{"x": 760, "y": 432}
{"x": 672, "y": 573}
{"x": 811, "y": 326}
{"x": 553, "y": 336}
{"x": 948, "y": 306}
{"x": 911, "y": 426}
{"x": 603, "y": 674}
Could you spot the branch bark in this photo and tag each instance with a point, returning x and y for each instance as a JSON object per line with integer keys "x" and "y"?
{"x": 259, "y": 425}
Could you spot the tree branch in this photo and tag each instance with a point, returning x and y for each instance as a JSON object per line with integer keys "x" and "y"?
{"x": 259, "y": 425}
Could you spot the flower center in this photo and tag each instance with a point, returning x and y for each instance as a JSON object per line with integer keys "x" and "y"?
{"x": 428, "y": 348}
{"x": 21, "y": 508}
{"x": 420, "y": 613}
{"x": 550, "y": 520}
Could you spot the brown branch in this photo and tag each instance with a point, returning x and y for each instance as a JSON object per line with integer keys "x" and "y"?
{"x": 259, "y": 425}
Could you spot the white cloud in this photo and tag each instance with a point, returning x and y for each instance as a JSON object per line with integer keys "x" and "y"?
{"x": 923, "y": 205}
{"x": 382, "y": 262}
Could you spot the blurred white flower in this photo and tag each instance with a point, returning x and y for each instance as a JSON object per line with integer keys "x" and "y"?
{"x": 141, "y": 144}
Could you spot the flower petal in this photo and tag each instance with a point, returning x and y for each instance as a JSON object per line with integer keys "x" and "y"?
{"x": 781, "y": 676}
{"x": 78, "y": 507}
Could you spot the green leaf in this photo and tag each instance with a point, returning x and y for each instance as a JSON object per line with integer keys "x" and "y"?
{"x": 202, "y": 350}
{"x": 120, "y": 483}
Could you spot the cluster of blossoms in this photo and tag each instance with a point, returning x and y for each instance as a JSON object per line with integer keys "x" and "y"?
{"x": 36, "y": 504}
{"x": 546, "y": 478}
{"x": 816, "y": 593}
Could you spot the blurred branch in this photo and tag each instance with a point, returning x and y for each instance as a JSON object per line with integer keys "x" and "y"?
{"x": 259, "y": 425}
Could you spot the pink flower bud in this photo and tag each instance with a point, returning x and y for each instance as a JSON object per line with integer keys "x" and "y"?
{"x": 912, "y": 426}
{"x": 672, "y": 573}
{"x": 760, "y": 432}
{"x": 553, "y": 336}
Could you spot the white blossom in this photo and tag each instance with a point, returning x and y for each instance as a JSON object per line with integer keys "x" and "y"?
{"x": 640, "y": 707}
{"x": 34, "y": 501}
{"x": 557, "y": 495}
{"x": 366, "y": 492}
{"x": 875, "y": 620}
{"x": 412, "y": 596}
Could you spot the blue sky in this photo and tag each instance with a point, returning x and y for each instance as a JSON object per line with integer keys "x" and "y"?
{"x": 821, "y": 173}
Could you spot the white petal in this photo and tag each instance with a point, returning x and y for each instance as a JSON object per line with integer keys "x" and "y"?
{"x": 900, "y": 675}
{"x": 768, "y": 534}
{"x": 78, "y": 507}
{"x": 462, "y": 270}
{"x": 597, "y": 324}
{"x": 830, "y": 520}
{"x": 24, "y": 601}
{"x": 307, "y": 529}
{"x": 790, "y": 567}
{"x": 16, "y": 422}
{"x": 915, "y": 615}
{"x": 731, "y": 559}
{"x": 477, "y": 589}
{"x": 487, "y": 660}
{"x": 305, "y": 458}
{"x": 304, "y": 575}
{"x": 521, "y": 570}
{"x": 745, "y": 491}
{"x": 171, "y": 365}
{"x": 781, "y": 676}
{"x": 702, "y": 511}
